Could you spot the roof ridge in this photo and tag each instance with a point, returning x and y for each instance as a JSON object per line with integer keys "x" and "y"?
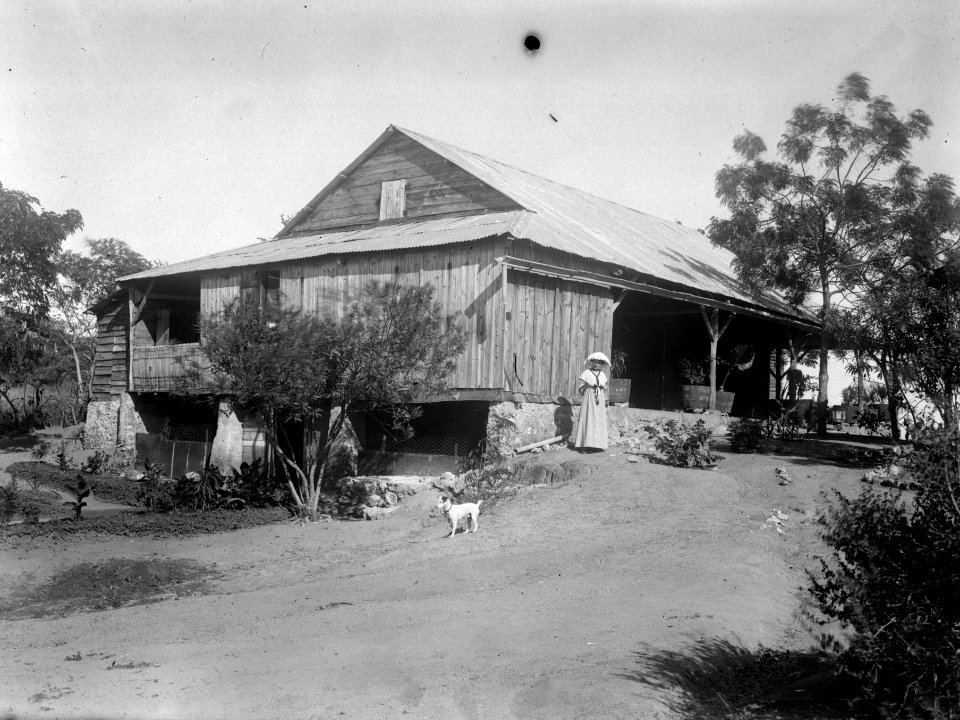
{"x": 414, "y": 134}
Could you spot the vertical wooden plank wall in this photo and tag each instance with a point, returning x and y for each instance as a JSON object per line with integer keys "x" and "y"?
{"x": 465, "y": 277}
{"x": 554, "y": 325}
{"x": 218, "y": 289}
{"x": 551, "y": 325}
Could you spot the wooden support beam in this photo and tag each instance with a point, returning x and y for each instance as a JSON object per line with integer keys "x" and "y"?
{"x": 712, "y": 321}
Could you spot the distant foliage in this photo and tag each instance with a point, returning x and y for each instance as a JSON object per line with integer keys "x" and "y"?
{"x": 893, "y": 580}
{"x": 746, "y": 436}
{"x": 684, "y": 446}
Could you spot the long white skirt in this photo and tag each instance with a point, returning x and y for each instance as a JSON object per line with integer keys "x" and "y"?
{"x": 592, "y": 427}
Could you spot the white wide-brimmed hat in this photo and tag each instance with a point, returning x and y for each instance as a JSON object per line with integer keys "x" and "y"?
{"x": 598, "y": 356}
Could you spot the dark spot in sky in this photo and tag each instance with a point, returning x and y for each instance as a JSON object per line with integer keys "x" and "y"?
{"x": 552, "y": 117}
{"x": 532, "y": 43}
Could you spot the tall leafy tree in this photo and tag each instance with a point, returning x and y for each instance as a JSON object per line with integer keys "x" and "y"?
{"x": 393, "y": 347}
{"x": 84, "y": 280}
{"x": 810, "y": 221}
{"x": 30, "y": 241}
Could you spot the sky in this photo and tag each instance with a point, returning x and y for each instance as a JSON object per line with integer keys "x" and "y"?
{"x": 185, "y": 128}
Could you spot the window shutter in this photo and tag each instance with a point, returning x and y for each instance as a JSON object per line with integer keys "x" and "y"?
{"x": 393, "y": 199}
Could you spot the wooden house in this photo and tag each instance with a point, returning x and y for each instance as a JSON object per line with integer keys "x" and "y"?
{"x": 544, "y": 275}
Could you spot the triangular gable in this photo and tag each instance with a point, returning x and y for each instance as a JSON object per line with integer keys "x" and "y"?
{"x": 433, "y": 186}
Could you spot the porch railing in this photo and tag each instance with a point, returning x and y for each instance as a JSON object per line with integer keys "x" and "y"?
{"x": 166, "y": 368}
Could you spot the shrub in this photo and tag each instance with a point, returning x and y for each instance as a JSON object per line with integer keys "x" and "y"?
{"x": 9, "y": 501}
{"x": 97, "y": 463}
{"x": 893, "y": 581}
{"x": 155, "y": 491}
{"x": 487, "y": 474}
{"x": 684, "y": 446}
{"x": 41, "y": 451}
{"x": 199, "y": 490}
{"x": 746, "y": 436}
{"x": 63, "y": 460}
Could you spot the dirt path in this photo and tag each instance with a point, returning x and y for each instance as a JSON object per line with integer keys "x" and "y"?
{"x": 546, "y": 612}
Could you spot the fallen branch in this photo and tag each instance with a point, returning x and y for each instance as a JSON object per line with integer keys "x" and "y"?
{"x": 541, "y": 443}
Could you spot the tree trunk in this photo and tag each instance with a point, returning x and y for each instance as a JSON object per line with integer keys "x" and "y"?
{"x": 76, "y": 365}
{"x": 893, "y": 395}
{"x": 858, "y": 359}
{"x": 714, "y": 331}
{"x": 824, "y": 379}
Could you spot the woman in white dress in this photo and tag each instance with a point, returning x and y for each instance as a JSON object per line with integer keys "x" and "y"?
{"x": 592, "y": 386}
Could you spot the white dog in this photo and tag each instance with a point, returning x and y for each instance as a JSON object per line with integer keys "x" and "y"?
{"x": 456, "y": 513}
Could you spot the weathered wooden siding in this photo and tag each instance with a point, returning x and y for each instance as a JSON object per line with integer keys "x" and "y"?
{"x": 553, "y": 325}
{"x": 465, "y": 277}
{"x": 218, "y": 289}
{"x": 162, "y": 368}
{"x": 110, "y": 365}
{"x": 530, "y": 340}
{"x": 434, "y": 186}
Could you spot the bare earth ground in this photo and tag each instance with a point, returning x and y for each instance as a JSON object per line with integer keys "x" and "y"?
{"x": 557, "y": 608}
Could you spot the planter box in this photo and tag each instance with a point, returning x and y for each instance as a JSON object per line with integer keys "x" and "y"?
{"x": 695, "y": 397}
{"x": 724, "y": 401}
{"x": 618, "y": 390}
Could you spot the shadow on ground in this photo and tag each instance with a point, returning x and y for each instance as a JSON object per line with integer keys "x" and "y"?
{"x": 716, "y": 679}
{"x": 17, "y": 443}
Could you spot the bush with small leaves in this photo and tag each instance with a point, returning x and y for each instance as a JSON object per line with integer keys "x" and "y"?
{"x": 63, "y": 459}
{"x": 746, "y": 436}
{"x": 97, "y": 463}
{"x": 893, "y": 581}
{"x": 684, "y": 446}
{"x": 41, "y": 451}
{"x": 156, "y": 491}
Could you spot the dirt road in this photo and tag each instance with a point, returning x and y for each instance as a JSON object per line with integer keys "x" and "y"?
{"x": 547, "y": 612}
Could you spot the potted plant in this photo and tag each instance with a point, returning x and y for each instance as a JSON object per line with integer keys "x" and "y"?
{"x": 695, "y": 390}
{"x": 619, "y": 386}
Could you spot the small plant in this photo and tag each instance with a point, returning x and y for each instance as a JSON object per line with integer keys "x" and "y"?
{"x": 82, "y": 491}
{"x": 206, "y": 490}
{"x": 120, "y": 463}
{"x": 40, "y": 452}
{"x": 10, "y": 501}
{"x": 618, "y": 364}
{"x": 156, "y": 491}
{"x": 63, "y": 460}
{"x": 488, "y": 476}
{"x": 683, "y": 446}
{"x": 693, "y": 372}
{"x": 97, "y": 463}
{"x": 746, "y": 436}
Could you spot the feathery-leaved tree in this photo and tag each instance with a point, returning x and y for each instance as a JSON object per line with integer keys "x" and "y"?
{"x": 394, "y": 346}
{"x": 808, "y": 222}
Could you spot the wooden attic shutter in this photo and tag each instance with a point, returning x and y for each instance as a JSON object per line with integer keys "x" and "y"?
{"x": 393, "y": 199}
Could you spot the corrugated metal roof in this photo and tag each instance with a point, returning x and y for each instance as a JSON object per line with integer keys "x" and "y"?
{"x": 556, "y": 216}
{"x": 426, "y": 233}
{"x": 588, "y": 226}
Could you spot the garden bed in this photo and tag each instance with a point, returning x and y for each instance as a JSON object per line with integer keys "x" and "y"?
{"x": 107, "y": 488}
{"x": 177, "y": 523}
